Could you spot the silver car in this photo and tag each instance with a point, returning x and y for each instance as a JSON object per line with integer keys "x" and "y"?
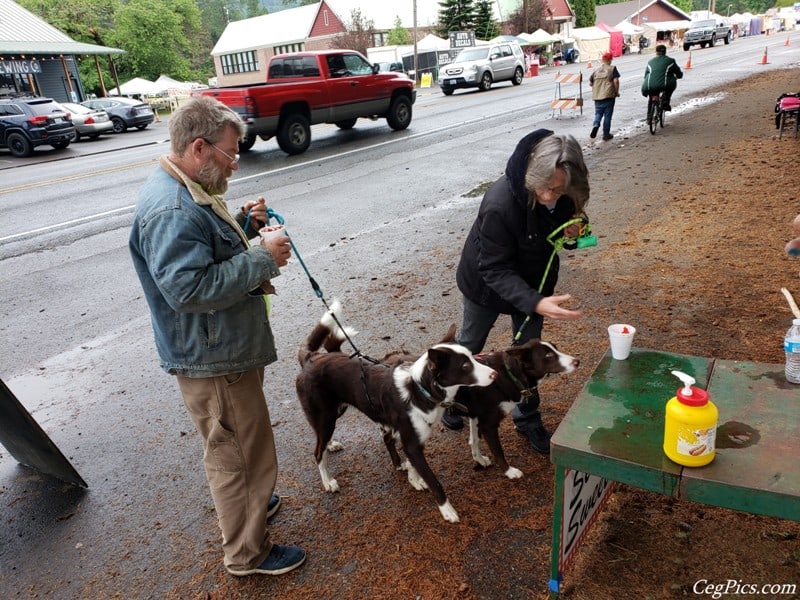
{"x": 89, "y": 122}
{"x": 124, "y": 112}
{"x": 480, "y": 66}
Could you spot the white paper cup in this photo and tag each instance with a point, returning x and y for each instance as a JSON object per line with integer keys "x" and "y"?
{"x": 621, "y": 337}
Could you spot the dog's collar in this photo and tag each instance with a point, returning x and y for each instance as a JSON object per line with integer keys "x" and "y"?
{"x": 446, "y": 403}
{"x": 525, "y": 391}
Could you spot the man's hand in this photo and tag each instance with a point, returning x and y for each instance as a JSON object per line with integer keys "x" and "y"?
{"x": 258, "y": 212}
{"x": 549, "y": 307}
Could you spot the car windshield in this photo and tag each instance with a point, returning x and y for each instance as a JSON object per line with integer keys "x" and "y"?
{"x": 703, "y": 24}
{"x": 471, "y": 54}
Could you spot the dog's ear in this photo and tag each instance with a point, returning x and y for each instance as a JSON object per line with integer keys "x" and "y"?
{"x": 450, "y": 336}
{"x": 435, "y": 358}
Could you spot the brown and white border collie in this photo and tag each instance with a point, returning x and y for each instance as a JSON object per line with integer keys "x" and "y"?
{"x": 519, "y": 369}
{"x": 406, "y": 398}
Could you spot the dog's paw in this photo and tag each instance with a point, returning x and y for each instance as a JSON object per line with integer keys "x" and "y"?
{"x": 482, "y": 460}
{"x": 448, "y": 512}
{"x": 331, "y": 485}
{"x": 513, "y": 473}
{"x": 334, "y": 446}
{"x": 417, "y": 482}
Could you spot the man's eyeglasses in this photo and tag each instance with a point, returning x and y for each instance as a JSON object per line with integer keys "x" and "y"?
{"x": 234, "y": 159}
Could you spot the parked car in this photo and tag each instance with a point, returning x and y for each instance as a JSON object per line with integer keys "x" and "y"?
{"x": 124, "y": 112}
{"x": 480, "y": 66}
{"x": 28, "y": 122}
{"x": 90, "y": 122}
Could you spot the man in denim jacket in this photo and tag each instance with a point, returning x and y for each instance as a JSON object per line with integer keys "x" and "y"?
{"x": 205, "y": 286}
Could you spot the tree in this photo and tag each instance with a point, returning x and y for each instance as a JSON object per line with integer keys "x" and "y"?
{"x": 536, "y": 17}
{"x": 358, "y": 35}
{"x": 456, "y": 15}
{"x": 585, "y": 15}
{"x": 398, "y": 36}
{"x": 486, "y": 27}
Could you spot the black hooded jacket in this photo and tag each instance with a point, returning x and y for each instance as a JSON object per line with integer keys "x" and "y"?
{"x": 506, "y": 251}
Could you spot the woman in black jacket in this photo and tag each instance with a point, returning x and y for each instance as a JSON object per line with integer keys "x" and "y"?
{"x": 506, "y": 253}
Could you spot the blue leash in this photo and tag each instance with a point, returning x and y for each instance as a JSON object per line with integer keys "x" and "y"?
{"x": 271, "y": 214}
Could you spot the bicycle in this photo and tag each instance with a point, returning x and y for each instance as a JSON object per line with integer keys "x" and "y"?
{"x": 655, "y": 112}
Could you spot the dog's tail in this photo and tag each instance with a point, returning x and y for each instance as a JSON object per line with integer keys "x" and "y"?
{"x": 327, "y": 333}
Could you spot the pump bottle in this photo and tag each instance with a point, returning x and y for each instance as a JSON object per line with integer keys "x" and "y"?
{"x": 690, "y": 425}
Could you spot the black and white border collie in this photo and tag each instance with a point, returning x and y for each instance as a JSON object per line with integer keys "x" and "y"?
{"x": 406, "y": 398}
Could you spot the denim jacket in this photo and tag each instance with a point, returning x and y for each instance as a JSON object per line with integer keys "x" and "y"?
{"x": 201, "y": 281}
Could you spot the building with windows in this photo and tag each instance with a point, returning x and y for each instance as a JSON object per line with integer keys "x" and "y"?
{"x": 38, "y": 59}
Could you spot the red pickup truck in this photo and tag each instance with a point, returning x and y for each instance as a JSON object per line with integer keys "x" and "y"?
{"x": 306, "y": 88}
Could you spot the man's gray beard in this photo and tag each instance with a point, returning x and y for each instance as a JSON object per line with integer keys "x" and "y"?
{"x": 213, "y": 179}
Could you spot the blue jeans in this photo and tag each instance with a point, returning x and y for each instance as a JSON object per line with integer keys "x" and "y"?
{"x": 603, "y": 111}
{"x": 476, "y": 324}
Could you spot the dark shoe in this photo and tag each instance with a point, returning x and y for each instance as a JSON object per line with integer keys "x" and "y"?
{"x": 281, "y": 559}
{"x": 593, "y": 134}
{"x": 452, "y": 420}
{"x": 538, "y": 438}
{"x": 273, "y": 505}
{"x": 607, "y": 137}
{"x": 666, "y": 107}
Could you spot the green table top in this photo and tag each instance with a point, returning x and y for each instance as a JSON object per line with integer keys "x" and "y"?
{"x": 615, "y": 429}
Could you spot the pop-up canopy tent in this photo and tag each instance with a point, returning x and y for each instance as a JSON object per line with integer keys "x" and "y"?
{"x": 540, "y": 38}
{"x": 137, "y": 86}
{"x": 615, "y": 41}
{"x": 591, "y": 42}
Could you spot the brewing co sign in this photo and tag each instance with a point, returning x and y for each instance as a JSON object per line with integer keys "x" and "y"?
{"x": 20, "y": 67}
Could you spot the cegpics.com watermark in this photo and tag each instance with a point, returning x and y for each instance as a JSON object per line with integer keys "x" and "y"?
{"x": 734, "y": 587}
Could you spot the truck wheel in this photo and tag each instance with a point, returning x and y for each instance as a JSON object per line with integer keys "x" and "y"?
{"x": 346, "y": 124}
{"x": 246, "y": 143}
{"x": 713, "y": 41}
{"x": 294, "y": 134}
{"x": 447, "y": 91}
{"x": 399, "y": 116}
{"x": 486, "y": 82}
{"x": 19, "y": 145}
{"x": 518, "y": 75}
{"x": 686, "y": 47}
{"x": 728, "y": 38}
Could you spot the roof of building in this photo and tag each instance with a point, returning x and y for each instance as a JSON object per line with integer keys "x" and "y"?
{"x": 613, "y": 14}
{"x": 22, "y": 32}
{"x": 284, "y": 27}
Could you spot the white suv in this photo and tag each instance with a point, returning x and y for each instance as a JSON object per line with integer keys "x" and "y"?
{"x": 480, "y": 66}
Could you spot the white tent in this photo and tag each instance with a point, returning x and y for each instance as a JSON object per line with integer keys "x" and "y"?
{"x": 173, "y": 87}
{"x": 628, "y": 28}
{"x": 137, "y": 86}
{"x": 591, "y": 42}
{"x": 539, "y": 37}
{"x": 432, "y": 42}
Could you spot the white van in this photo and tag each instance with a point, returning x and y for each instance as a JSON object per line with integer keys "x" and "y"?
{"x": 480, "y": 66}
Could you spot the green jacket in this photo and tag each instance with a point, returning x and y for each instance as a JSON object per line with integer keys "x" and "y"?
{"x": 662, "y": 72}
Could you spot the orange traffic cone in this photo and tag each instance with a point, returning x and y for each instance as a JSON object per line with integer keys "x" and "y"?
{"x": 764, "y": 58}
{"x": 787, "y": 40}
{"x": 589, "y": 66}
{"x": 688, "y": 64}
{"x": 158, "y": 119}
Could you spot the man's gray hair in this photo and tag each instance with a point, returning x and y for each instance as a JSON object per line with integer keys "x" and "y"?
{"x": 201, "y": 117}
{"x": 559, "y": 151}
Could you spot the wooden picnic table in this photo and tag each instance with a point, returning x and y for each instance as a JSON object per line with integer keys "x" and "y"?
{"x": 614, "y": 432}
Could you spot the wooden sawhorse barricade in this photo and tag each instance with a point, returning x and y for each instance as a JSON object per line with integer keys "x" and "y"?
{"x": 562, "y": 102}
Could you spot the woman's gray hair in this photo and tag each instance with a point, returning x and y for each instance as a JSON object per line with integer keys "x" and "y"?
{"x": 559, "y": 151}
{"x": 201, "y": 117}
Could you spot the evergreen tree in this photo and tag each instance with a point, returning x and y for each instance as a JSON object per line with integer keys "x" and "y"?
{"x": 486, "y": 27}
{"x": 585, "y": 15}
{"x": 398, "y": 36}
{"x": 456, "y": 15}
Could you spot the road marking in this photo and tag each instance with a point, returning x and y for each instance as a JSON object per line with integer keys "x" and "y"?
{"x": 38, "y": 184}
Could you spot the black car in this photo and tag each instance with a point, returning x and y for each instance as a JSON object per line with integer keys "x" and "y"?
{"x": 124, "y": 112}
{"x": 27, "y": 122}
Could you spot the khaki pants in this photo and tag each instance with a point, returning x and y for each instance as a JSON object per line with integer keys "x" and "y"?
{"x": 230, "y": 412}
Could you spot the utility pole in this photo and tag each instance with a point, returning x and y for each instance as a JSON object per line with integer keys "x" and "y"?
{"x": 416, "y": 66}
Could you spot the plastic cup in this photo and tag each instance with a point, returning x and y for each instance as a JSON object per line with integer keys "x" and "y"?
{"x": 621, "y": 337}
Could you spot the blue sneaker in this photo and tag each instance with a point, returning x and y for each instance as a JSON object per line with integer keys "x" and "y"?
{"x": 273, "y": 505}
{"x": 281, "y": 559}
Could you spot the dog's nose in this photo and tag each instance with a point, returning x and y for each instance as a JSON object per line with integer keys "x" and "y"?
{"x": 576, "y": 363}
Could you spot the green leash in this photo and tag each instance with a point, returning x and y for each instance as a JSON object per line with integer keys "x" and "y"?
{"x": 585, "y": 239}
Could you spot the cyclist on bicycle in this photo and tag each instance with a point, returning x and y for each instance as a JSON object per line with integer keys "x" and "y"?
{"x": 661, "y": 75}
